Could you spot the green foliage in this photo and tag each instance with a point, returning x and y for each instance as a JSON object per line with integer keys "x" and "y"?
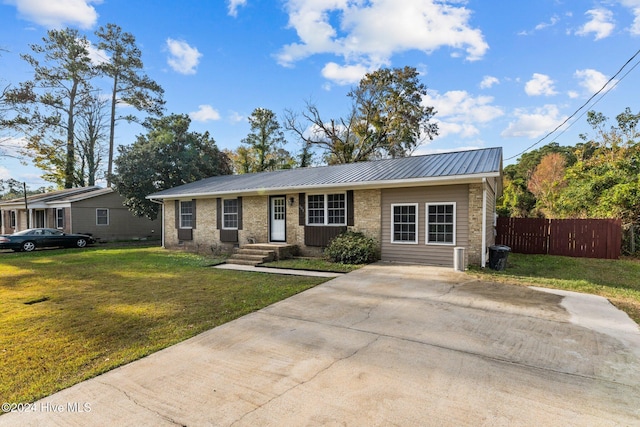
{"x": 47, "y": 107}
{"x": 352, "y": 247}
{"x": 517, "y": 200}
{"x": 386, "y": 118}
{"x": 12, "y": 189}
{"x": 169, "y": 155}
{"x": 130, "y": 86}
{"x": 262, "y": 149}
{"x": 605, "y": 182}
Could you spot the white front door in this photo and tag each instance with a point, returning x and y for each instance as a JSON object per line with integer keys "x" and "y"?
{"x": 278, "y": 207}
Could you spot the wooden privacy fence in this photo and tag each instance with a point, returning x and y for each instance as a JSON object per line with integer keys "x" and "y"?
{"x": 588, "y": 238}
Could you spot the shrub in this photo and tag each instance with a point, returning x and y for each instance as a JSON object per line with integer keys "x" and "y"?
{"x": 352, "y": 247}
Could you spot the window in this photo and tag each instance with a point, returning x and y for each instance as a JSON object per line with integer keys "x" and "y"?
{"x": 102, "y": 216}
{"x": 326, "y": 209}
{"x": 230, "y": 214}
{"x": 186, "y": 214}
{"x": 315, "y": 209}
{"x": 60, "y": 218}
{"x": 12, "y": 219}
{"x": 336, "y": 209}
{"x": 441, "y": 223}
{"x": 404, "y": 223}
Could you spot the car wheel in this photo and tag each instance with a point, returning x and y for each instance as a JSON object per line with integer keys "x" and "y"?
{"x": 28, "y": 246}
{"x": 81, "y": 243}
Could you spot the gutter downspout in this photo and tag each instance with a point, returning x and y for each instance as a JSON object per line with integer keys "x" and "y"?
{"x": 483, "y": 259}
{"x": 162, "y": 221}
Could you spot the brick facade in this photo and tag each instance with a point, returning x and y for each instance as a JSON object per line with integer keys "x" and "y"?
{"x": 368, "y": 219}
{"x": 255, "y": 223}
{"x": 474, "y": 250}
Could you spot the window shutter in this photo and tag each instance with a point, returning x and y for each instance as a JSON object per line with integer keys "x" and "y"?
{"x": 350, "y": 216}
{"x": 239, "y": 213}
{"x": 193, "y": 224}
{"x": 218, "y": 213}
{"x": 177, "y": 213}
{"x": 301, "y": 209}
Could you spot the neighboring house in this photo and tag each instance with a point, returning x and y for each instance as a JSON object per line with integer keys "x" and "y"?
{"x": 90, "y": 210}
{"x": 419, "y": 208}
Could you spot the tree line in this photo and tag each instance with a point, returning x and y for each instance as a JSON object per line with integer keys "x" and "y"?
{"x": 598, "y": 177}
{"x": 68, "y": 113}
{"x": 61, "y": 112}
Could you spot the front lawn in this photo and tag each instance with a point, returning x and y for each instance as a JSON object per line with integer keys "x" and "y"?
{"x": 69, "y": 315}
{"x": 616, "y": 280}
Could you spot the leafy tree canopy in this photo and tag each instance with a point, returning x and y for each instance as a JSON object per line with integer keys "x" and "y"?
{"x": 167, "y": 156}
{"x": 386, "y": 119}
{"x": 601, "y": 177}
{"x": 263, "y": 148}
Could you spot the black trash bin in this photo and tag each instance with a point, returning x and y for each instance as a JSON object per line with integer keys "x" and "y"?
{"x": 498, "y": 256}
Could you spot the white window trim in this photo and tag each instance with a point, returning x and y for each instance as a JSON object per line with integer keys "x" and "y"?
{"x": 180, "y": 213}
{"x": 237, "y": 213}
{"x": 108, "y": 219}
{"x": 426, "y": 224}
{"x": 405, "y": 242}
{"x": 326, "y": 209}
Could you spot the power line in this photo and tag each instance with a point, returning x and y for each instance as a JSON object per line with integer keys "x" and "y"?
{"x": 585, "y": 103}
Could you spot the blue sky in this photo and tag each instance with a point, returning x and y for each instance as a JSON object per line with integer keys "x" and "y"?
{"x": 499, "y": 73}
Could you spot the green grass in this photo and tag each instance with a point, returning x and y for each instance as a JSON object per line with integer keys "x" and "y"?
{"x": 68, "y": 315}
{"x": 315, "y": 264}
{"x": 616, "y": 280}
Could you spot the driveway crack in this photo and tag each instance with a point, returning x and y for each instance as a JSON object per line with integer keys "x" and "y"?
{"x": 137, "y": 403}
{"x": 325, "y": 369}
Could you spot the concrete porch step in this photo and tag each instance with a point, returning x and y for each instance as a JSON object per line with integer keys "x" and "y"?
{"x": 251, "y": 256}
{"x": 241, "y": 261}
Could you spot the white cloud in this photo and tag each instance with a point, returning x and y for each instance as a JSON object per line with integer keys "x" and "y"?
{"x": 97, "y": 56}
{"x": 11, "y": 146}
{"x": 540, "y": 84}
{"x": 57, "y": 13}
{"x": 591, "y": 80}
{"x": 488, "y": 81}
{"x": 205, "y": 113}
{"x": 182, "y": 58}
{"x": 343, "y": 75}
{"x": 234, "y": 5}
{"x": 634, "y": 6}
{"x": 368, "y": 34}
{"x": 533, "y": 124}
{"x": 601, "y": 24}
{"x": 4, "y": 173}
{"x": 460, "y": 113}
{"x": 236, "y": 117}
{"x": 541, "y": 26}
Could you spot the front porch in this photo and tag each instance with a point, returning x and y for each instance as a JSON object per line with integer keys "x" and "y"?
{"x": 258, "y": 253}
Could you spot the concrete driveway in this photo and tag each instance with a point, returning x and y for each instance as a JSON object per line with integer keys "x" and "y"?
{"x": 385, "y": 345}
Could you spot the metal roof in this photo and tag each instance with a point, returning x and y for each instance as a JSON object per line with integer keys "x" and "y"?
{"x": 56, "y": 195}
{"x": 416, "y": 169}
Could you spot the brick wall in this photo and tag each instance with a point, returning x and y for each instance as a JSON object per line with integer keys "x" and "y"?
{"x": 368, "y": 213}
{"x": 255, "y": 220}
{"x": 474, "y": 250}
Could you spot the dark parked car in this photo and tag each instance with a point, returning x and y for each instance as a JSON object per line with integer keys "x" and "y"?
{"x": 28, "y": 240}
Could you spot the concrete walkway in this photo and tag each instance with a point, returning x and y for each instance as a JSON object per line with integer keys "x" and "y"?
{"x": 384, "y": 345}
{"x": 272, "y": 270}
